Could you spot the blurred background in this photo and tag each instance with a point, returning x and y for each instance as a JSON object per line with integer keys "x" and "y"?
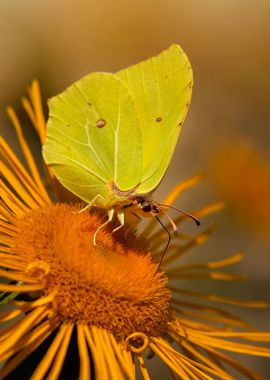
{"x": 226, "y": 134}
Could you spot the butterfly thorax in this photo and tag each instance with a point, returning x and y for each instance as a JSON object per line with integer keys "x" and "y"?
{"x": 142, "y": 202}
{"x": 113, "y": 197}
{"x": 108, "y": 201}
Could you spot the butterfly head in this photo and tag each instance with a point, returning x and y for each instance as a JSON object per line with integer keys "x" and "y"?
{"x": 148, "y": 206}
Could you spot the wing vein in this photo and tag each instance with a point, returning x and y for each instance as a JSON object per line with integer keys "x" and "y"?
{"x": 81, "y": 166}
{"x": 71, "y": 138}
{"x": 91, "y": 146}
{"x": 116, "y": 143}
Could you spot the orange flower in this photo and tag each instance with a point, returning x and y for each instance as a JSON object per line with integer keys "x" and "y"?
{"x": 243, "y": 179}
{"x": 107, "y": 302}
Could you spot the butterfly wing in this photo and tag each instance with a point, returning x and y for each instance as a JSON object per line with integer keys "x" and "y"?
{"x": 161, "y": 89}
{"x": 93, "y": 138}
{"x": 120, "y": 128}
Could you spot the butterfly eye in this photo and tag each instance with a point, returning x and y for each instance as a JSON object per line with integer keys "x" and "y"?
{"x": 147, "y": 207}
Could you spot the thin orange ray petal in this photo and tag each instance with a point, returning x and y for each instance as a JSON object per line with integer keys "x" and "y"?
{"x": 174, "y": 274}
{"x": 100, "y": 353}
{"x": 36, "y": 115}
{"x": 13, "y": 197}
{"x": 6, "y": 250}
{"x": 30, "y": 112}
{"x": 26, "y": 182}
{"x": 202, "y": 212}
{"x": 35, "y": 97}
{"x": 180, "y": 250}
{"x": 142, "y": 367}
{"x": 6, "y": 227}
{"x": 201, "y": 371}
{"x": 45, "y": 327}
{"x": 188, "y": 324}
{"x": 168, "y": 361}
{"x": 174, "y": 375}
{"x": 50, "y": 355}
{"x": 7, "y": 316}
{"x": 6, "y": 231}
{"x": 23, "y": 189}
{"x": 5, "y": 213}
{"x": 229, "y": 318}
{"x": 11, "y": 264}
{"x": 182, "y": 186}
{"x": 22, "y": 327}
{"x": 16, "y": 276}
{"x": 230, "y": 260}
{"x": 20, "y": 356}
{"x": 27, "y": 154}
{"x": 233, "y": 363}
{"x": 161, "y": 235}
{"x": 193, "y": 372}
{"x": 17, "y": 359}
{"x": 20, "y": 288}
{"x": 216, "y": 298}
{"x": 100, "y": 370}
{"x": 60, "y": 357}
{"x": 224, "y": 320}
{"x": 38, "y": 302}
{"x": 196, "y": 367}
{"x": 110, "y": 356}
{"x": 204, "y": 359}
{"x": 233, "y": 259}
{"x": 124, "y": 358}
{"x": 6, "y": 254}
{"x": 83, "y": 354}
{"x": 6, "y": 240}
{"x": 229, "y": 345}
{"x": 256, "y": 336}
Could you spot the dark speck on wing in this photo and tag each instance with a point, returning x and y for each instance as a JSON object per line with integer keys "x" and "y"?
{"x": 101, "y": 123}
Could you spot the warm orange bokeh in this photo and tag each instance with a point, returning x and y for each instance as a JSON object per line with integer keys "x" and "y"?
{"x": 243, "y": 180}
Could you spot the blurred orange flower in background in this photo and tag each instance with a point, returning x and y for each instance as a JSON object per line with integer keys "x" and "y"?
{"x": 242, "y": 177}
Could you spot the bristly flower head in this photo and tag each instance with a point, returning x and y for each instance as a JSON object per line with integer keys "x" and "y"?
{"x": 104, "y": 307}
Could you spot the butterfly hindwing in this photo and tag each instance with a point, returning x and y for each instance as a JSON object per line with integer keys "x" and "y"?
{"x": 93, "y": 137}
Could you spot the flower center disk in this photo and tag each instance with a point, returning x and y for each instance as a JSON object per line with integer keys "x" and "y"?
{"x": 113, "y": 285}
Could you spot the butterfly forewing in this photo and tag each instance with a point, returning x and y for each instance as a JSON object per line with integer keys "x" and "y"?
{"x": 161, "y": 90}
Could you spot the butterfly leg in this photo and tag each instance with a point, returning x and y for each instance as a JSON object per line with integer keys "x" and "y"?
{"x": 174, "y": 226}
{"x": 90, "y": 204}
{"x": 121, "y": 218}
{"x": 110, "y": 217}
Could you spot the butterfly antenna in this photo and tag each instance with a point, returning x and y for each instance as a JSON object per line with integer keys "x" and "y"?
{"x": 168, "y": 242}
{"x": 198, "y": 223}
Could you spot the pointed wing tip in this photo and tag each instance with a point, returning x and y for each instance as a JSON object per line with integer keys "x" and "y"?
{"x": 174, "y": 47}
{"x": 177, "y": 50}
